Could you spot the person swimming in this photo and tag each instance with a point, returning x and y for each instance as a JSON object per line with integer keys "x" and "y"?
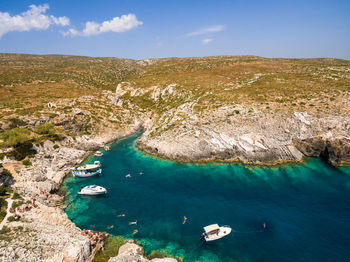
{"x": 128, "y": 175}
{"x": 185, "y": 219}
{"x": 264, "y": 225}
{"x": 133, "y": 223}
{"x": 121, "y": 215}
{"x": 135, "y": 232}
{"x": 110, "y": 227}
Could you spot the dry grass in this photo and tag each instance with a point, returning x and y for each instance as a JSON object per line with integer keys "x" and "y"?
{"x": 29, "y": 82}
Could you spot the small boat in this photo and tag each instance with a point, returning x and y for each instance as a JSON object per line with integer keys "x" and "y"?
{"x": 98, "y": 153}
{"x": 90, "y": 167}
{"x": 92, "y": 190}
{"x": 86, "y": 173}
{"x": 215, "y": 232}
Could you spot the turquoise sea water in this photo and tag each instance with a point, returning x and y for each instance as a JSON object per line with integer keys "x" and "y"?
{"x": 306, "y": 207}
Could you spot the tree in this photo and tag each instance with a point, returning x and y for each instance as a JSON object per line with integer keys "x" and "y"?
{"x": 46, "y": 128}
{"x": 14, "y": 136}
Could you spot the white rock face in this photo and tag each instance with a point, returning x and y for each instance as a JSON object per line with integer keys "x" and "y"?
{"x": 256, "y": 138}
{"x": 303, "y": 116}
{"x": 132, "y": 252}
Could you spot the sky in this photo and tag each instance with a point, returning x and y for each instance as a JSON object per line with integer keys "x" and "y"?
{"x": 141, "y": 29}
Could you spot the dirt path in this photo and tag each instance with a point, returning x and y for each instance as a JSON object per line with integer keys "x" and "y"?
{"x": 9, "y": 204}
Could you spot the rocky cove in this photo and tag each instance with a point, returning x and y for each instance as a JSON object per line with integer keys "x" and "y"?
{"x": 46, "y": 233}
{"x": 221, "y": 119}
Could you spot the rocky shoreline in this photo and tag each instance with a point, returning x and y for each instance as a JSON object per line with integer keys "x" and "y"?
{"x": 46, "y": 233}
{"x": 260, "y": 139}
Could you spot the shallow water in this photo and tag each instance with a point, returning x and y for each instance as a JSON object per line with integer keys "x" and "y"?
{"x": 306, "y": 207}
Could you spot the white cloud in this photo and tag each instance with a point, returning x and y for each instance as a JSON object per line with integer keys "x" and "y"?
{"x": 117, "y": 25}
{"x": 206, "y": 41}
{"x": 34, "y": 18}
{"x": 206, "y": 30}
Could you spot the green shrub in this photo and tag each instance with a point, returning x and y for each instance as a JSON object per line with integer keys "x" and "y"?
{"x": 16, "y": 122}
{"x": 16, "y": 204}
{"x": 14, "y": 136}
{"x": 2, "y": 215}
{"x": 2, "y": 191}
{"x": 23, "y": 150}
{"x": 5, "y": 229}
{"x": 46, "y": 128}
{"x": 16, "y": 196}
{"x": 11, "y": 219}
{"x": 53, "y": 115}
{"x": 26, "y": 162}
{"x": 56, "y": 146}
{"x": 111, "y": 248}
{"x": 6, "y": 172}
{"x": 3, "y": 203}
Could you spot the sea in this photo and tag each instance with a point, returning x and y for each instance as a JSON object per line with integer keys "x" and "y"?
{"x": 291, "y": 212}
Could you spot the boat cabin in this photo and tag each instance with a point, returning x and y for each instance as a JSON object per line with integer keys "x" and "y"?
{"x": 212, "y": 229}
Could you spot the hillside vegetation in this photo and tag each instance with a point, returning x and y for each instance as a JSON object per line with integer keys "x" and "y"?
{"x": 84, "y": 95}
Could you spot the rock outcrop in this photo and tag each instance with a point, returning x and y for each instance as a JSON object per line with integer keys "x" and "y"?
{"x": 255, "y": 138}
{"x": 132, "y": 252}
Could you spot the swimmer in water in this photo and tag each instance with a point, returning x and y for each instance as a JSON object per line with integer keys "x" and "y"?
{"x": 121, "y": 215}
{"x": 185, "y": 219}
{"x": 110, "y": 227}
{"x": 133, "y": 223}
{"x": 140, "y": 173}
{"x": 135, "y": 232}
{"x": 264, "y": 225}
{"x": 128, "y": 175}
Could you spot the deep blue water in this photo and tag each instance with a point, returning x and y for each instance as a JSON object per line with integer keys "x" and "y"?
{"x": 306, "y": 207}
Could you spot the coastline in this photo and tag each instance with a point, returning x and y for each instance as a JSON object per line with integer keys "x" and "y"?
{"x": 222, "y": 161}
{"x": 50, "y": 215}
{"x": 48, "y": 222}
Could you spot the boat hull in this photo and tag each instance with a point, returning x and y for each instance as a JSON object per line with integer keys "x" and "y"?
{"x": 86, "y": 174}
{"x": 92, "y": 193}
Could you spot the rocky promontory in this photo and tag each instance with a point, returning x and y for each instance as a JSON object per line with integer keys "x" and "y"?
{"x": 254, "y": 138}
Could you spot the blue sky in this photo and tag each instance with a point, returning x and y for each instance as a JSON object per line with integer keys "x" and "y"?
{"x": 141, "y": 29}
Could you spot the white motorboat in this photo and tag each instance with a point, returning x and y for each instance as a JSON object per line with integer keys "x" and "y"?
{"x": 92, "y": 190}
{"x": 90, "y": 167}
{"x": 98, "y": 153}
{"x": 87, "y": 173}
{"x": 215, "y": 232}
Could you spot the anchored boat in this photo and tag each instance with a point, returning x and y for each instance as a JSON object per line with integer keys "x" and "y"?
{"x": 215, "y": 232}
{"x": 92, "y": 190}
{"x": 83, "y": 173}
{"x": 98, "y": 153}
{"x": 90, "y": 167}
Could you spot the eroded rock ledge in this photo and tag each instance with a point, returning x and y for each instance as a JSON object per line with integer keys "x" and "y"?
{"x": 256, "y": 139}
